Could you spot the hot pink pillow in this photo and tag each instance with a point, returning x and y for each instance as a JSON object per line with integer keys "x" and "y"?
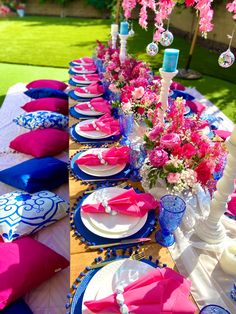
{"x": 40, "y": 143}
{"x": 47, "y": 84}
{"x": 51, "y": 104}
{"x": 25, "y": 264}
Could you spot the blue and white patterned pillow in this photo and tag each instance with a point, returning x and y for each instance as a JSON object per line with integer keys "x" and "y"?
{"x": 42, "y": 120}
{"x": 23, "y": 213}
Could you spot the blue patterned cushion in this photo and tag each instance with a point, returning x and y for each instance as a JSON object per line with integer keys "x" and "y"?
{"x": 23, "y": 213}
{"x": 37, "y": 93}
{"x": 36, "y": 174}
{"x": 42, "y": 120}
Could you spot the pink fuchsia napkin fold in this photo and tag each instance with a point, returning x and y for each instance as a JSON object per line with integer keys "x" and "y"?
{"x": 232, "y": 204}
{"x": 110, "y": 156}
{"x": 161, "y": 291}
{"x": 196, "y": 106}
{"x": 127, "y": 203}
{"x": 84, "y": 60}
{"x": 86, "y": 78}
{"x": 105, "y": 124}
{"x": 94, "y": 89}
{"x": 97, "y": 104}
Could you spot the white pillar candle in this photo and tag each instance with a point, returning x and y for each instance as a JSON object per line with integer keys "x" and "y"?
{"x": 114, "y": 28}
{"x": 233, "y": 136}
{"x": 228, "y": 259}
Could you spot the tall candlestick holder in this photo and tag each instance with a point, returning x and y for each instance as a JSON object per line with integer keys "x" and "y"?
{"x": 165, "y": 86}
{"x": 114, "y": 34}
{"x": 211, "y": 230}
{"x": 123, "y": 43}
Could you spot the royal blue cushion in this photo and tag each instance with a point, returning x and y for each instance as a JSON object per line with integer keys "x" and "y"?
{"x": 36, "y": 174}
{"x": 178, "y": 93}
{"x": 17, "y": 307}
{"x": 37, "y": 93}
{"x": 42, "y": 120}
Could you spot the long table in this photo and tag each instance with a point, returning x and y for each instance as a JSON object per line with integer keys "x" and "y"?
{"x": 82, "y": 257}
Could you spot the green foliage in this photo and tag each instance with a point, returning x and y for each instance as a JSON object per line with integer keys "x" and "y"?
{"x": 60, "y": 2}
{"x": 102, "y": 4}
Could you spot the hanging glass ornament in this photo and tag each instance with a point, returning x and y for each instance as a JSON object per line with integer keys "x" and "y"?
{"x": 227, "y": 58}
{"x": 152, "y": 49}
{"x": 131, "y": 32}
{"x": 166, "y": 38}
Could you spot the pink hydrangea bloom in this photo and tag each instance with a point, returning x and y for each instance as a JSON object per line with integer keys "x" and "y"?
{"x": 158, "y": 157}
{"x": 138, "y": 92}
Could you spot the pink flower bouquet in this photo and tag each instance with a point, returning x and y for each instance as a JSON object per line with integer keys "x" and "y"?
{"x": 180, "y": 154}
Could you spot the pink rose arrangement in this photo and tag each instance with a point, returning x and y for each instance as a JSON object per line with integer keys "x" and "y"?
{"x": 180, "y": 153}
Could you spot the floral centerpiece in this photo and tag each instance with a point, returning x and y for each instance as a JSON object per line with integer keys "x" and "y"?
{"x": 180, "y": 154}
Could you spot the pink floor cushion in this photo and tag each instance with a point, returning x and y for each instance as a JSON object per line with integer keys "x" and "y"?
{"x": 47, "y": 84}
{"x": 25, "y": 264}
{"x": 40, "y": 143}
{"x": 51, "y": 104}
{"x": 196, "y": 106}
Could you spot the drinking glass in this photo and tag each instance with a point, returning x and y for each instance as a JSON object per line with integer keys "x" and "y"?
{"x": 172, "y": 208}
{"x": 126, "y": 127}
{"x": 213, "y": 309}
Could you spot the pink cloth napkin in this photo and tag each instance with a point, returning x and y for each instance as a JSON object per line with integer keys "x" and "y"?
{"x": 127, "y": 203}
{"x": 105, "y": 124}
{"x": 83, "y": 67}
{"x": 176, "y": 85}
{"x": 161, "y": 291}
{"x": 222, "y": 133}
{"x": 196, "y": 106}
{"x": 111, "y": 156}
{"x": 232, "y": 204}
{"x": 97, "y": 104}
{"x": 95, "y": 89}
{"x": 86, "y": 77}
{"x": 84, "y": 60}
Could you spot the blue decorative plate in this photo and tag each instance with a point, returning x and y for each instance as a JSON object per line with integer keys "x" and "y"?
{"x": 78, "y": 115}
{"x": 72, "y": 95}
{"x": 76, "y": 304}
{"x": 213, "y": 309}
{"x": 98, "y": 142}
{"x": 80, "y": 175}
{"x": 92, "y": 239}
{"x": 72, "y": 83}
{"x": 71, "y": 72}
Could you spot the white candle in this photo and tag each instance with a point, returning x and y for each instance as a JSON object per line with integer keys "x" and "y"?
{"x": 114, "y": 28}
{"x": 228, "y": 259}
{"x": 233, "y": 136}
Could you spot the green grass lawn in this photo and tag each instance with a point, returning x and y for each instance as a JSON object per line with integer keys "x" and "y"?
{"x": 53, "y": 42}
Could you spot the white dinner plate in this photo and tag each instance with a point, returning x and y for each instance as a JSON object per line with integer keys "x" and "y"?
{"x": 83, "y": 71}
{"x": 84, "y": 82}
{"x": 108, "y": 226}
{"x": 101, "y": 170}
{"x": 104, "y": 282}
{"x": 88, "y": 112}
{"x": 87, "y": 95}
{"x": 95, "y": 135}
{"x": 187, "y": 110}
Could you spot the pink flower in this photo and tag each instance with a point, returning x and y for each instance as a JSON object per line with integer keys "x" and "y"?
{"x": 138, "y": 92}
{"x": 173, "y": 177}
{"x": 188, "y": 151}
{"x": 126, "y": 106}
{"x": 204, "y": 171}
{"x": 170, "y": 140}
{"x": 158, "y": 157}
{"x": 155, "y": 132}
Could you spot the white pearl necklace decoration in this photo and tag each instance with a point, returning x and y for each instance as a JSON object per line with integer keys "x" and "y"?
{"x": 108, "y": 209}
{"x": 120, "y": 300}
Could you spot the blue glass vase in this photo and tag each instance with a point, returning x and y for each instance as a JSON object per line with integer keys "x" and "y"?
{"x": 137, "y": 157}
{"x": 126, "y": 127}
{"x": 172, "y": 209}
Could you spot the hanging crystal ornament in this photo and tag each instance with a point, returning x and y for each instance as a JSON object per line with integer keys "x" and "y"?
{"x": 131, "y": 32}
{"x": 167, "y": 37}
{"x": 152, "y": 49}
{"x": 227, "y": 58}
